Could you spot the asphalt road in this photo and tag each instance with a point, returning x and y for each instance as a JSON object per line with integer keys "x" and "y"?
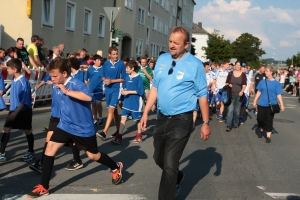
{"x": 234, "y": 165}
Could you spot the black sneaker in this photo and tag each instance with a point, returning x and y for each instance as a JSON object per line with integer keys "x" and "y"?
{"x": 228, "y": 129}
{"x": 74, "y": 165}
{"x": 37, "y": 167}
{"x": 100, "y": 122}
{"x": 180, "y": 177}
{"x": 114, "y": 135}
{"x": 268, "y": 140}
{"x": 101, "y": 135}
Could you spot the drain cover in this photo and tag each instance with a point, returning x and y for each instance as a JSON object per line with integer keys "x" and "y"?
{"x": 283, "y": 120}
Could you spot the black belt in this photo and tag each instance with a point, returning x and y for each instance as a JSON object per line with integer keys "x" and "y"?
{"x": 171, "y": 116}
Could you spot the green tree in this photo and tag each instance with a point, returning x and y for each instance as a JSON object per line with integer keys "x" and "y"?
{"x": 294, "y": 60}
{"x": 247, "y": 49}
{"x": 217, "y": 47}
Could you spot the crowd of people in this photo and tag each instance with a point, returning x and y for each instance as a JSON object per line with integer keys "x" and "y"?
{"x": 180, "y": 89}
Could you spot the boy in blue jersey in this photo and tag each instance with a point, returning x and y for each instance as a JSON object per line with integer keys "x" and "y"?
{"x": 94, "y": 82}
{"x": 113, "y": 75}
{"x": 76, "y": 163}
{"x": 133, "y": 91}
{"x": 75, "y": 69}
{"x": 74, "y": 99}
{"x": 20, "y": 111}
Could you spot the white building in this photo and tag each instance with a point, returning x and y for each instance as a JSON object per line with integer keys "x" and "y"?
{"x": 200, "y": 35}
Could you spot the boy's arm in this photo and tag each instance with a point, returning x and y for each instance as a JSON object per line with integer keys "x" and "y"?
{"x": 126, "y": 92}
{"x": 75, "y": 94}
{"x": 13, "y": 115}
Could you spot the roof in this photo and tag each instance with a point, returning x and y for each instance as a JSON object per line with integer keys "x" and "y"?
{"x": 198, "y": 29}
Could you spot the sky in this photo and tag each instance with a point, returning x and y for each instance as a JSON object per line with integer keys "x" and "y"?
{"x": 275, "y": 22}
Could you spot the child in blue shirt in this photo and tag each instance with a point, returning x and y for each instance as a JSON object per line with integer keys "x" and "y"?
{"x": 75, "y": 69}
{"x": 74, "y": 100}
{"x": 2, "y": 91}
{"x": 94, "y": 82}
{"x": 20, "y": 111}
{"x": 133, "y": 91}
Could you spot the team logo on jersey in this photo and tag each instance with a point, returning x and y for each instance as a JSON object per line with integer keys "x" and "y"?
{"x": 179, "y": 75}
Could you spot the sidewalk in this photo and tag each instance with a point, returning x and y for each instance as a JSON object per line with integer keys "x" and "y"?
{"x": 36, "y": 110}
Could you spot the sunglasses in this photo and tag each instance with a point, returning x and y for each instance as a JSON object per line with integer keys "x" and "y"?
{"x": 171, "y": 68}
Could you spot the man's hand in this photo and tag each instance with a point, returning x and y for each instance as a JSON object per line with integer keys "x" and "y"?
{"x": 143, "y": 122}
{"x": 205, "y": 132}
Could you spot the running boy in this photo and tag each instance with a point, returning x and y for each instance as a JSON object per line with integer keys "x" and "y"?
{"x": 133, "y": 91}
{"x": 20, "y": 111}
{"x": 94, "y": 82}
{"x": 113, "y": 75}
{"x": 74, "y": 101}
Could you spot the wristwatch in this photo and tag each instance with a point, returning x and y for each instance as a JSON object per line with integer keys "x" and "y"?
{"x": 206, "y": 122}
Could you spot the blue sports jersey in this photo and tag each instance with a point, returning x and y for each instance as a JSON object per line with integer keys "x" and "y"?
{"x": 20, "y": 93}
{"x": 47, "y": 78}
{"x": 93, "y": 75}
{"x": 2, "y": 88}
{"x": 178, "y": 92}
{"x": 134, "y": 102}
{"x": 79, "y": 75}
{"x": 76, "y": 115}
{"x": 114, "y": 71}
{"x": 274, "y": 88}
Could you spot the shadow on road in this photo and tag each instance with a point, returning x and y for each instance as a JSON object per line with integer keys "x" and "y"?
{"x": 199, "y": 165}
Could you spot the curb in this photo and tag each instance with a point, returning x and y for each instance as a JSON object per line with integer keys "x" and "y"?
{"x": 4, "y": 114}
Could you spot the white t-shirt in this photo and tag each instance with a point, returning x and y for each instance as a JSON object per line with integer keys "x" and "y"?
{"x": 221, "y": 77}
{"x": 282, "y": 78}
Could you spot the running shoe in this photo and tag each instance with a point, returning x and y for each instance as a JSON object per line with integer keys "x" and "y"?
{"x": 117, "y": 139}
{"x": 101, "y": 135}
{"x": 268, "y": 140}
{"x": 220, "y": 118}
{"x": 74, "y": 165}
{"x": 228, "y": 129}
{"x": 241, "y": 120}
{"x": 95, "y": 121}
{"x": 138, "y": 138}
{"x": 113, "y": 135}
{"x": 38, "y": 191}
{"x": 28, "y": 156}
{"x": 117, "y": 174}
{"x": 2, "y": 157}
{"x": 37, "y": 167}
{"x": 100, "y": 121}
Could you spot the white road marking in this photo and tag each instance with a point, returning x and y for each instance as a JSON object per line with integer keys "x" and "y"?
{"x": 262, "y": 187}
{"x": 79, "y": 197}
{"x": 282, "y": 195}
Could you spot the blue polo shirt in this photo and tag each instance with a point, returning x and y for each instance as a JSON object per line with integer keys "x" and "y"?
{"x": 274, "y": 88}
{"x": 79, "y": 75}
{"x": 20, "y": 92}
{"x": 114, "y": 71}
{"x": 93, "y": 75}
{"x": 76, "y": 115}
{"x": 178, "y": 92}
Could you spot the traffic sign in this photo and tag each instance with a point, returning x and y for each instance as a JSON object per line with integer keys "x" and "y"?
{"x": 112, "y": 12}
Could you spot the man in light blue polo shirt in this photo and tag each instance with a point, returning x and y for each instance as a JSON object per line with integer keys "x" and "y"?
{"x": 179, "y": 82}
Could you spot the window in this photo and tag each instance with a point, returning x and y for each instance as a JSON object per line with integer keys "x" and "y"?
{"x": 70, "y": 16}
{"x": 141, "y": 17}
{"x": 154, "y": 23}
{"x": 129, "y": 4}
{"x": 167, "y": 6}
{"x": 101, "y": 28}
{"x": 150, "y": 5}
{"x": 87, "y": 23}
{"x": 162, "y": 2}
{"x": 166, "y": 28}
{"x": 157, "y": 1}
{"x": 48, "y": 12}
{"x": 153, "y": 50}
{"x": 139, "y": 47}
{"x": 147, "y": 33}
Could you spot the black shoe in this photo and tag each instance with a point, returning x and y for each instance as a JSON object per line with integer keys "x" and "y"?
{"x": 114, "y": 135}
{"x": 268, "y": 140}
{"x": 260, "y": 134}
{"x": 37, "y": 167}
{"x": 180, "y": 177}
{"x": 101, "y": 135}
{"x": 235, "y": 127}
{"x": 74, "y": 165}
{"x": 228, "y": 129}
{"x": 100, "y": 122}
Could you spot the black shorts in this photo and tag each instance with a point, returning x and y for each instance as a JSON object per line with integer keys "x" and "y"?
{"x": 53, "y": 123}
{"x": 22, "y": 121}
{"x": 82, "y": 143}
